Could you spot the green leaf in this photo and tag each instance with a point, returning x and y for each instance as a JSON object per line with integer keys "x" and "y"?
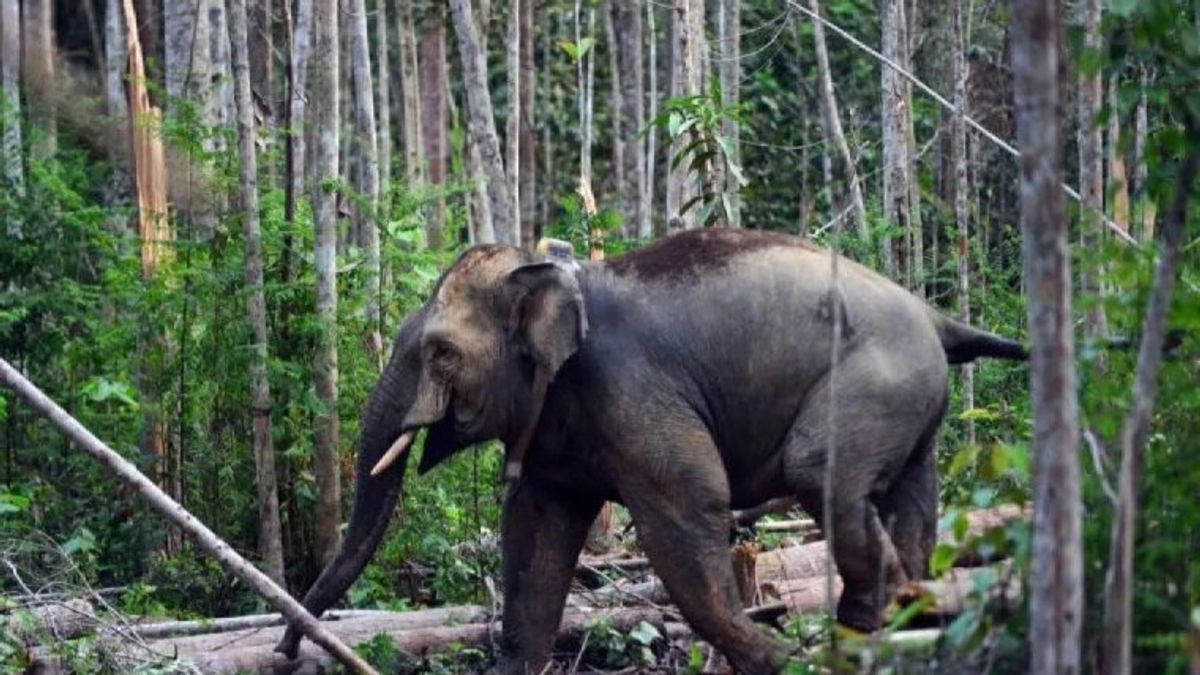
{"x": 644, "y": 633}
{"x": 942, "y": 559}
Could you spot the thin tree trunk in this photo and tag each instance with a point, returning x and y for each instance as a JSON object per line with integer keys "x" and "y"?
{"x": 527, "y": 184}
{"x": 896, "y": 191}
{"x": 627, "y": 20}
{"x": 209, "y": 542}
{"x": 10, "y": 103}
{"x": 1091, "y": 167}
{"x": 481, "y": 120}
{"x": 325, "y": 88}
{"x": 646, "y": 226}
{"x": 958, "y": 152}
{"x": 1118, "y": 184}
{"x": 729, "y": 36}
{"x": 512, "y": 140}
{"x": 434, "y": 117}
{"x": 262, "y": 57}
{"x": 616, "y": 111}
{"x": 114, "y": 60}
{"x": 38, "y": 76}
{"x": 299, "y": 29}
{"x": 1116, "y": 647}
{"x": 1056, "y": 593}
{"x": 412, "y": 77}
{"x": 842, "y": 163}
{"x": 383, "y": 107}
{"x": 686, "y": 80}
{"x": 270, "y": 542}
{"x": 583, "y": 97}
{"x": 1143, "y": 205}
{"x": 367, "y": 144}
{"x": 915, "y": 234}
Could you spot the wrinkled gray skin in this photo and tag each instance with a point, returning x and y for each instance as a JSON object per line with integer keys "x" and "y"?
{"x": 689, "y": 378}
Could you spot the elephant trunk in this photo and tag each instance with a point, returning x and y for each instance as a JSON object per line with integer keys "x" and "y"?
{"x": 375, "y": 498}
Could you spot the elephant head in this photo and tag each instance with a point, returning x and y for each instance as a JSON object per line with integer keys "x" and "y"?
{"x": 472, "y": 364}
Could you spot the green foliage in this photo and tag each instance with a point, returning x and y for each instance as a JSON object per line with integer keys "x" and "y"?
{"x": 609, "y": 647}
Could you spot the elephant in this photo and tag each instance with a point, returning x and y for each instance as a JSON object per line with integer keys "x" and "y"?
{"x": 683, "y": 379}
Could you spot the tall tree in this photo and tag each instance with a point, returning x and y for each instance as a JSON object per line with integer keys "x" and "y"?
{"x": 686, "y": 78}
{"x": 325, "y": 92}
{"x": 527, "y": 165}
{"x": 363, "y": 97}
{"x": 411, "y": 91}
{"x": 10, "y": 102}
{"x": 512, "y": 140}
{"x": 383, "y": 108}
{"x": 958, "y": 153}
{"x": 729, "y": 70}
{"x": 434, "y": 116}
{"x": 1143, "y": 205}
{"x": 894, "y": 111}
{"x": 114, "y": 59}
{"x": 616, "y": 111}
{"x": 627, "y": 24}
{"x": 481, "y": 120}
{"x": 1056, "y": 593}
{"x": 646, "y": 227}
{"x": 841, "y": 164}
{"x": 38, "y": 77}
{"x": 270, "y": 542}
{"x": 1118, "y": 184}
{"x": 262, "y": 56}
{"x": 1091, "y": 163}
{"x": 299, "y": 30}
{"x": 585, "y": 79}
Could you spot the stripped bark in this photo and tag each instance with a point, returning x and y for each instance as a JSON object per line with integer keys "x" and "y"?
{"x": 270, "y": 541}
{"x": 325, "y": 89}
{"x": 209, "y": 542}
{"x": 1056, "y": 580}
{"x": 1116, "y": 648}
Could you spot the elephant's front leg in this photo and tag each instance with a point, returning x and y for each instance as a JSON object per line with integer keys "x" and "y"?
{"x": 542, "y": 536}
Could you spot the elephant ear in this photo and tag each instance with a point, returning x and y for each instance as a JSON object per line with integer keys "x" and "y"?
{"x": 549, "y": 320}
{"x": 548, "y": 315}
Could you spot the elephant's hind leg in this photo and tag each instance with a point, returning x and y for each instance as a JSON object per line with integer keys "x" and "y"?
{"x": 541, "y": 539}
{"x": 678, "y": 496}
{"x": 909, "y": 510}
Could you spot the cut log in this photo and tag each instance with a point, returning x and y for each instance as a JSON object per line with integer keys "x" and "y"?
{"x": 422, "y": 618}
{"x": 250, "y": 651}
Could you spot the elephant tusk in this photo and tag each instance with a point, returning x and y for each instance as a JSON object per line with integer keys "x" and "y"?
{"x": 393, "y": 452}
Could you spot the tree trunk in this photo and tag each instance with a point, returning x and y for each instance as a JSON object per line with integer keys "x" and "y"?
{"x": 842, "y": 163}
{"x": 1116, "y": 647}
{"x": 527, "y": 185}
{"x": 627, "y": 24}
{"x": 481, "y": 120}
{"x": 615, "y": 110}
{"x": 367, "y": 144}
{"x": 646, "y": 228}
{"x": 414, "y": 88}
{"x": 262, "y": 57}
{"x": 1056, "y": 593}
{"x": 434, "y": 117}
{"x": 38, "y": 76}
{"x": 10, "y": 102}
{"x": 1118, "y": 184}
{"x": 270, "y": 542}
{"x": 958, "y": 152}
{"x": 114, "y": 60}
{"x": 685, "y": 72}
{"x": 512, "y": 139}
{"x": 299, "y": 30}
{"x": 325, "y": 91}
{"x": 729, "y": 70}
{"x": 896, "y": 191}
{"x": 176, "y": 514}
{"x": 1091, "y": 168}
{"x": 1143, "y": 204}
{"x": 383, "y": 109}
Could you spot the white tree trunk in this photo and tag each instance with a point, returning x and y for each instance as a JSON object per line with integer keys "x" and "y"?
{"x": 38, "y": 76}
{"x": 1091, "y": 166}
{"x": 383, "y": 108}
{"x": 412, "y": 89}
{"x": 686, "y": 73}
{"x": 270, "y": 542}
{"x": 896, "y": 191}
{"x": 729, "y": 70}
{"x": 363, "y": 97}
{"x": 646, "y": 226}
{"x": 325, "y": 93}
{"x": 1056, "y": 593}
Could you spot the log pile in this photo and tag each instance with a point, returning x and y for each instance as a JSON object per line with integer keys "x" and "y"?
{"x": 619, "y": 590}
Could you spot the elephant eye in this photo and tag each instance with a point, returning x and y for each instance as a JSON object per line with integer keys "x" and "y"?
{"x": 443, "y": 355}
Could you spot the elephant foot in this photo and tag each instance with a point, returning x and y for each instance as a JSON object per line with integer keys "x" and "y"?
{"x": 289, "y": 644}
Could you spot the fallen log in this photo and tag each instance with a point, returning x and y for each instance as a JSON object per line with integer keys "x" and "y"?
{"x": 251, "y": 651}
{"x": 809, "y": 560}
{"x": 950, "y": 595}
{"x": 421, "y": 618}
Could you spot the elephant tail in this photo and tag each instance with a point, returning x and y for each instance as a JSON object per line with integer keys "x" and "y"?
{"x": 964, "y": 344}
